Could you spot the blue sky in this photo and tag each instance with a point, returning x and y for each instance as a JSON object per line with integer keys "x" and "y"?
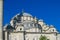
{"x": 48, "y": 10}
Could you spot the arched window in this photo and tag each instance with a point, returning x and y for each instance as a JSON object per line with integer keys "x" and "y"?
{"x": 31, "y": 24}
{"x": 35, "y": 38}
{"x": 47, "y": 39}
{"x": 20, "y": 28}
{"x": 27, "y": 38}
{"x": 53, "y": 30}
{"x": 15, "y": 39}
{"x": 9, "y": 37}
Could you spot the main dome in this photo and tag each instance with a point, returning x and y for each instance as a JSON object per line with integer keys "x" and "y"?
{"x": 22, "y": 17}
{"x": 19, "y": 15}
{"x": 26, "y": 14}
{"x": 25, "y": 19}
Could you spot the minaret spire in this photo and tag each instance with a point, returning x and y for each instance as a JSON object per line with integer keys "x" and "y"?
{"x": 1, "y": 21}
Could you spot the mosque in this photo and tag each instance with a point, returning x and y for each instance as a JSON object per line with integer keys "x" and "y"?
{"x": 24, "y": 26}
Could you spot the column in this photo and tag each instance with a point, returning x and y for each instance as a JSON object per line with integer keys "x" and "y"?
{"x": 1, "y": 14}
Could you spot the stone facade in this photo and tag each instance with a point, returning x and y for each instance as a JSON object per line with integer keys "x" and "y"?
{"x": 24, "y": 26}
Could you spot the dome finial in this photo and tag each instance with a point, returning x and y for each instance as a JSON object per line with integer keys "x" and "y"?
{"x": 22, "y": 10}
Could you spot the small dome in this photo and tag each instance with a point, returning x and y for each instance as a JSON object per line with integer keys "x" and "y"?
{"x": 51, "y": 26}
{"x": 41, "y": 20}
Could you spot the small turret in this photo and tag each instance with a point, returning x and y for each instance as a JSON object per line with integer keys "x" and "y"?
{"x": 41, "y": 22}
{"x": 35, "y": 19}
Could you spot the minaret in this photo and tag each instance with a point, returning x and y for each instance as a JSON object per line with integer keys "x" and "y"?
{"x": 1, "y": 16}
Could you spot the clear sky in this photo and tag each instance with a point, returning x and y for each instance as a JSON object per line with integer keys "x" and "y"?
{"x": 48, "y": 10}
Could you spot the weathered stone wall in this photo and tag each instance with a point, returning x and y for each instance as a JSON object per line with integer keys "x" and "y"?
{"x": 58, "y": 37}
{"x": 31, "y": 36}
{"x": 36, "y": 36}
{"x": 16, "y": 36}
